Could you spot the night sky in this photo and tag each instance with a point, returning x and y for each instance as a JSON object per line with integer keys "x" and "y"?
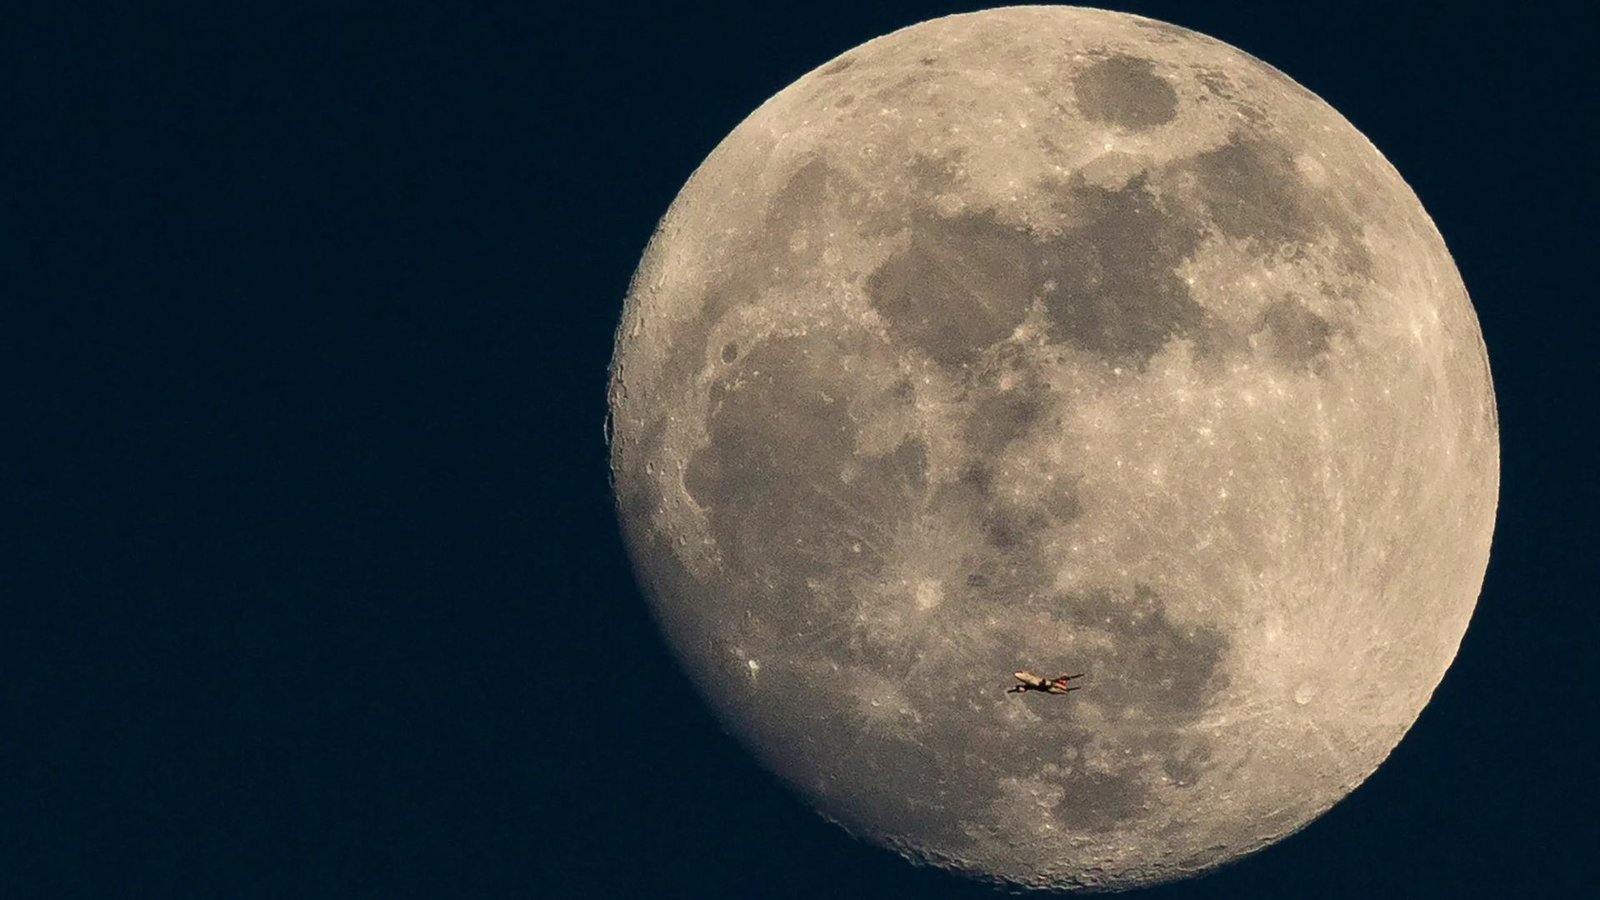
{"x": 312, "y": 584}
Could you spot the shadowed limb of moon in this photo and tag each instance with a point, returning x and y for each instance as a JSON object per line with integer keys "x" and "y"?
{"x": 1056, "y": 337}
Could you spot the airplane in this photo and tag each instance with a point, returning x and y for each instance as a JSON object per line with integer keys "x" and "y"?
{"x": 1031, "y": 682}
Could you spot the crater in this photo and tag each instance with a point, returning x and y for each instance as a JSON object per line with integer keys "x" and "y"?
{"x": 1125, "y": 91}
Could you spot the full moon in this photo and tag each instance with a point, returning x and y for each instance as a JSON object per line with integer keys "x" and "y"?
{"x": 1060, "y": 340}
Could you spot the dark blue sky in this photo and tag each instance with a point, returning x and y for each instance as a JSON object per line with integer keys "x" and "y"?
{"x": 309, "y": 556}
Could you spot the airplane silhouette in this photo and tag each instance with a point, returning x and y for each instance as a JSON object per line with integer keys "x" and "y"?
{"x": 1031, "y": 682}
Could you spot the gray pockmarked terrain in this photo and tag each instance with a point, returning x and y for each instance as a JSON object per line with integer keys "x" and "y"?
{"x": 1065, "y": 340}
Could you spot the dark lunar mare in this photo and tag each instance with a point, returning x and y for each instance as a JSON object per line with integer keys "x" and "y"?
{"x": 1109, "y": 282}
{"x": 961, "y": 285}
{"x": 1125, "y": 91}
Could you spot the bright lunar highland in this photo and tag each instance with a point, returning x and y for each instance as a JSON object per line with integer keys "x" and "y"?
{"x": 1063, "y": 340}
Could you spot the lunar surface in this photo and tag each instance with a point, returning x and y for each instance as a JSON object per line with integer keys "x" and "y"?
{"x": 1062, "y": 340}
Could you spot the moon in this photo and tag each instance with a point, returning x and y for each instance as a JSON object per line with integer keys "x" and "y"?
{"x": 1064, "y": 340}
